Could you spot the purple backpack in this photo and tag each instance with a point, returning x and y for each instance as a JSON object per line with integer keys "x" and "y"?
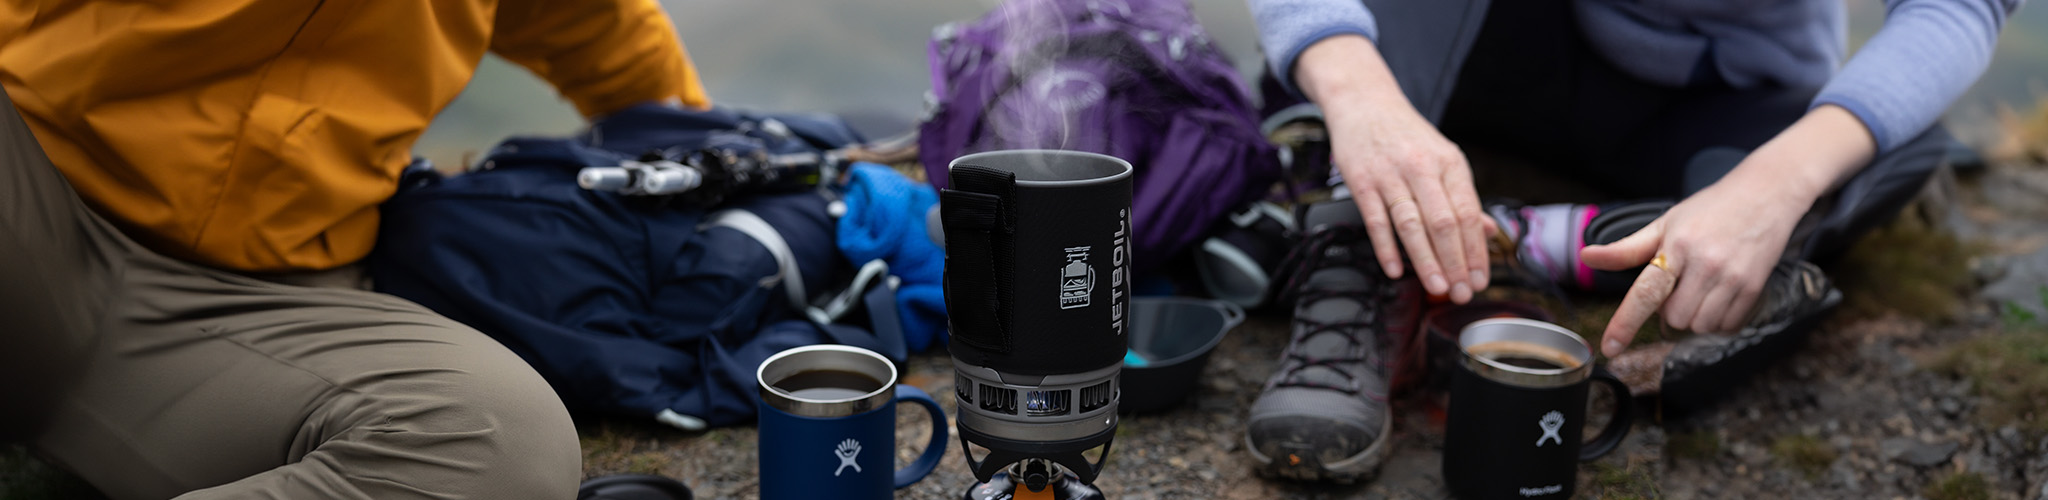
{"x": 1134, "y": 79}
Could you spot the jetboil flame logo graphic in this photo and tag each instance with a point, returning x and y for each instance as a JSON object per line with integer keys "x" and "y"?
{"x": 1077, "y": 279}
{"x": 847, "y": 451}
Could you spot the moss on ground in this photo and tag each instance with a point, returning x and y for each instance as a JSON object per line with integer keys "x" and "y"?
{"x": 1806, "y": 454}
{"x": 1693, "y": 445}
{"x": 612, "y": 448}
{"x": 1632, "y": 480}
{"x": 2010, "y": 370}
{"x": 1963, "y": 486}
{"x": 1905, "y": 268}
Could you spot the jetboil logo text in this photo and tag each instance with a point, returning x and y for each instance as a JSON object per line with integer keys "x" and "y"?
{"x": 1119, "y": 254}
{"x": 1077, "y": 277}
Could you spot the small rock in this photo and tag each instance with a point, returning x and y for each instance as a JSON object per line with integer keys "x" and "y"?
{"x": 1845, "y": 476}
{"x": 1841, "y": 443}
{"x": 1915, "y": 452}
{"x": 1749, "y": 454}
{"x": 1900, "y": 422}
{"x": 1833, "y": 426}
{"x": 1975, "y": 461}
{"x": 1177, "y": 462}
{"x": 2044, "y": 491}
{"x": 1950, "y": 407}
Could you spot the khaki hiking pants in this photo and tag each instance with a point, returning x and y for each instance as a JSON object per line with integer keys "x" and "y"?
{"x": 154, "y": 378}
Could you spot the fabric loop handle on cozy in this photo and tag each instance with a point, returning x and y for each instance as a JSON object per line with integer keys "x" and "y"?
{"x": 978, "y": 216}
{"x": 1617, "y": 427}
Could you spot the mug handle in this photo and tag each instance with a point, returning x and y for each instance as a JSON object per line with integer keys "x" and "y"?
{"x": 934, "y": 449}
{"x": 1617, "y": 427}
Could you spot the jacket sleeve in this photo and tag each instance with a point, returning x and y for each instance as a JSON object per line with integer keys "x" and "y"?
{"x": 1926, "y": 55}
{"x": 1287, "y": 27}
{"x": 603, "y": 55}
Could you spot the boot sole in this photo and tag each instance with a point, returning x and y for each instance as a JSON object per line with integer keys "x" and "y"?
{"x": 1361, "y": 467}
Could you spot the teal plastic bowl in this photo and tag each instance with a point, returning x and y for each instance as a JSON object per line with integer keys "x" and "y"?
{"x": 1170, "y": 340}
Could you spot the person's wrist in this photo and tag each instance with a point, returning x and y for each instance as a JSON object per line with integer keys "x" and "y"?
{"x": 1346, "y": 69}
{"x": 1814, "y": 154}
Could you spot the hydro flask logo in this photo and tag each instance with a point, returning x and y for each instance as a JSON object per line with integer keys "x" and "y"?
{"x": 1077, "y": 279}
{"x": 1551, "y": 423}
{"x": 847, "y": 451}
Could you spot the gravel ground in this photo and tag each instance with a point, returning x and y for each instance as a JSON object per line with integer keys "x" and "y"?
{"x": 1855, "y": 414}
{"x": 1856, "y": 387}
{"x": 1858, "y": 413}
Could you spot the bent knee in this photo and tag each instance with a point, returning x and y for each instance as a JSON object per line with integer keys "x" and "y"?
{"x": 479, "y": 427}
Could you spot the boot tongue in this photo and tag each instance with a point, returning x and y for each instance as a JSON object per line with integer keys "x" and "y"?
{"x": 1341, "y": 212}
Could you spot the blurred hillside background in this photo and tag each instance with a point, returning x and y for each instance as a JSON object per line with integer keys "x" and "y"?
{"x": 866, "y": 61}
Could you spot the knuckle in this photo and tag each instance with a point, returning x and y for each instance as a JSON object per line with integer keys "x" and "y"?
{"x": 1703, "y": 323}
{"x": 1408, "y": 222}
{"x": 1710, "y": 263}
{"x": 1416, "y": 160}
{"x": 1647, "y": 295}
{"x": 1443, "y": 223}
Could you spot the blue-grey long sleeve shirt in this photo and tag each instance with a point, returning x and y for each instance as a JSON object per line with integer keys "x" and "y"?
{"x": 1898, "y": 84}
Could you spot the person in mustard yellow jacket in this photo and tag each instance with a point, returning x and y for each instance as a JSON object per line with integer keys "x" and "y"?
{"x": 185, "y": 187}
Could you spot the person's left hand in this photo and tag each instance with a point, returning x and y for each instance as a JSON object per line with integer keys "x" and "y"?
{"x": 1718, "y": 247}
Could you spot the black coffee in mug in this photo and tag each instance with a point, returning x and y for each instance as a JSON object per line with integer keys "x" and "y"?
{"x": 1518, "y": 404}
{"x": 828, "y": 384}
{"x": 1525, "y": 355}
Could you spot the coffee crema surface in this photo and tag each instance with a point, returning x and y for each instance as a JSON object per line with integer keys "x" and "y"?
{"x": 1525, "y": 355}
{"x": 828, "y": 385}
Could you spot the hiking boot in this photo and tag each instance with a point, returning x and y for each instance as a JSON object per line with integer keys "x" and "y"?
{"x": 1694, "y": 372}
{"x": 1323, "y": 415}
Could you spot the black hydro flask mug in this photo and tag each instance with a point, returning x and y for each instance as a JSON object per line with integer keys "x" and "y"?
{"x": 1038, "y": 298}
{"x": 1518, "y": 404}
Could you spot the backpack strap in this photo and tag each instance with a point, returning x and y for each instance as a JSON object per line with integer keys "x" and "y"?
{"x": 791, "y": 277}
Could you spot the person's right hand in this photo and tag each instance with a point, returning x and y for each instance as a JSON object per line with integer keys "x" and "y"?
{"x": 1408, "y": 180}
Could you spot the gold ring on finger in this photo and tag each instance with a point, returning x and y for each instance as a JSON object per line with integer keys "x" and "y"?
{"x": 1398, "y": 201}
{"x": 1660, "y": 263}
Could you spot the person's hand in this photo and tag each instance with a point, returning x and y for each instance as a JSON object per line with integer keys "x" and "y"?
{"x": 1709, "y": 255}
{"x": 1717, "y": 248}
{"x": 1411, "y": 184}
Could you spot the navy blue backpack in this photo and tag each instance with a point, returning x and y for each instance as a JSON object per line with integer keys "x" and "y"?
{"x": 629, "y": 305}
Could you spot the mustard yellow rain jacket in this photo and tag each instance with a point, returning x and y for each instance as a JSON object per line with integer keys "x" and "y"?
{"x": 260, "y": 135}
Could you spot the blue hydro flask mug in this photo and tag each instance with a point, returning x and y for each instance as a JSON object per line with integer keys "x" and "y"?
{"x": 828, "y": 425}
